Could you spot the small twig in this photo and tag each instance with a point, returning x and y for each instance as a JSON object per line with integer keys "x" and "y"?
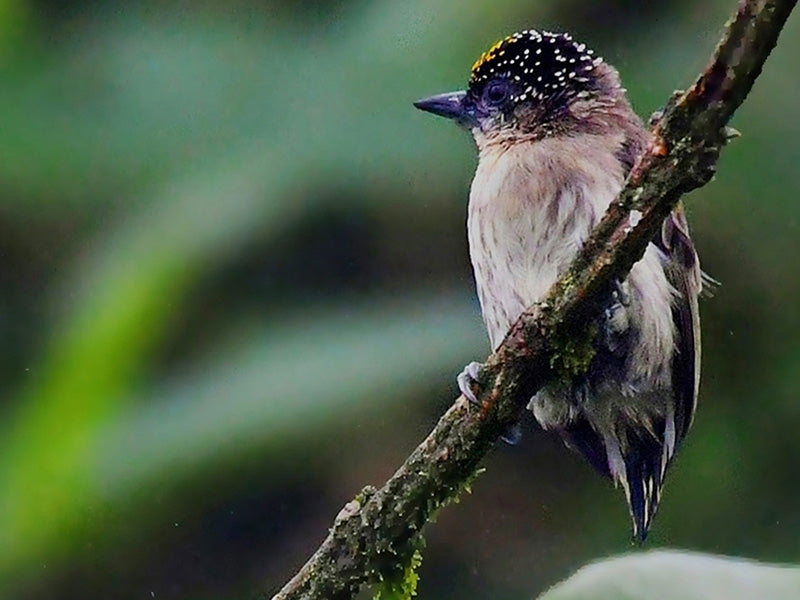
{"x": 378, "y": 530}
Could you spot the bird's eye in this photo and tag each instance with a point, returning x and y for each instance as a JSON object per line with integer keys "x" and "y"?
{"x": 495, "y": 93}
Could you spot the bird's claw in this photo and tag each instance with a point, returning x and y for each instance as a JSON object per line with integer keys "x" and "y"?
{"x": 513, "y": 435}
{"x": 466, "y": 378}
{"x": 621, "y": 293}
{"x": 616, "y": 318}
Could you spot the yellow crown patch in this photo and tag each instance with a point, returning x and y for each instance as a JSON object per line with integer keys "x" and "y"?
{"x": 490, "y": 54}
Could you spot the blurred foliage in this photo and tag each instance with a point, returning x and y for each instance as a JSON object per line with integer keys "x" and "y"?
{"x": 234, "y": 290}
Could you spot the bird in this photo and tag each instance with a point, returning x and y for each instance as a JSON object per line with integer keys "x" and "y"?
{"x": 556, "y": 137}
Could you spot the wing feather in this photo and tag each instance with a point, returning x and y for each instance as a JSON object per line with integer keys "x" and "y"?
{"x": 683, "y": 272}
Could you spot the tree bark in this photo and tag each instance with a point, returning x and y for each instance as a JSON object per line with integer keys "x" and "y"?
{"x": 375, "y": 534}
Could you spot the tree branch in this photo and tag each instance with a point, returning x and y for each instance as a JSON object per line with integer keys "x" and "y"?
{"x": 375, "y": 534}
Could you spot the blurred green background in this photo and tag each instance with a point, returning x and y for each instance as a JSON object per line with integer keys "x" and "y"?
{"x": 234, "y": 289}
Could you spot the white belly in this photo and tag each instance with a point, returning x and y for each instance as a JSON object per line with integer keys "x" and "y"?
{"x": 531, "y": 209}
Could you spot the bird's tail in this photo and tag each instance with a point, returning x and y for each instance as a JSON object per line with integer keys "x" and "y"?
{"x": 638, "y": 460}
{"x": 635, "y": 457}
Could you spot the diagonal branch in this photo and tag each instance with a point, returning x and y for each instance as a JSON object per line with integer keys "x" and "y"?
{"x": 379, "y": 529}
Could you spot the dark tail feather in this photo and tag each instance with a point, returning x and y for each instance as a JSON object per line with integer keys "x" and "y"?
{"x": 638, "y": 462}
{"x": 646, "y": 457}
{"x": 644, "y": 486}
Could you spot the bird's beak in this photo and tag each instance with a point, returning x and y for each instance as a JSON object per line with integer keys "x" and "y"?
{"x": 450, "y": 105}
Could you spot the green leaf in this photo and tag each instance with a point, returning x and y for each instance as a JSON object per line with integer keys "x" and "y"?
{"x": 403, "y": 587}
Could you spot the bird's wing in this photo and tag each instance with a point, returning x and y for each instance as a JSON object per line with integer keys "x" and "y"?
{"x": 641, "y": 461}
{"x": 683, "y": 272}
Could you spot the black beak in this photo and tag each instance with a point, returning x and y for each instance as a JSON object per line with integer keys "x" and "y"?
{"x": 450, "y": 105}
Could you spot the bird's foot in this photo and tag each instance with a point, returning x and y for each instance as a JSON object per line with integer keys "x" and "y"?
{"x": 621, "y": 293}
{"x": 512, "y": 435}
{"x": 615, "y": 318}
{"x": 465, "y": 379}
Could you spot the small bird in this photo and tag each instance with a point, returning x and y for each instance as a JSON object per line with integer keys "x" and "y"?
{"x": 556, "y": 138}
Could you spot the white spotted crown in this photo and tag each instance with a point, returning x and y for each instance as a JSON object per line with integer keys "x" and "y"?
{"x": 541, "y": 64}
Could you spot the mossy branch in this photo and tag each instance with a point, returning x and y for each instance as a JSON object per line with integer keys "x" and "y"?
{"x": 378, "y": 532}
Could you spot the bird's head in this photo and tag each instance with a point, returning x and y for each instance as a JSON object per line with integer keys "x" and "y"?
{"x": 532, "y": 85}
